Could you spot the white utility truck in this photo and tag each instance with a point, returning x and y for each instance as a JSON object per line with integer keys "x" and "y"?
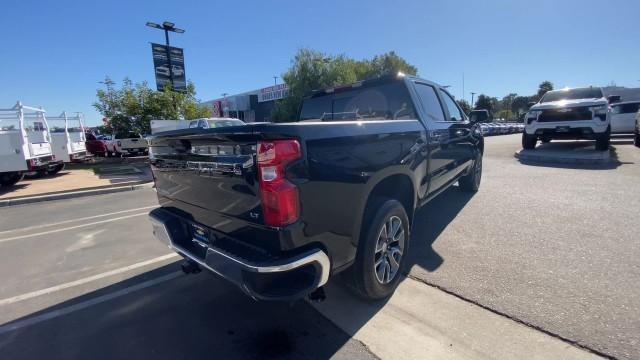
{"x": 25, "y": 144}
{"x": 68, "y": 138}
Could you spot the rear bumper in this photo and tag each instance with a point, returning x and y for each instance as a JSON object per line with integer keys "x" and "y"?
{"x": 43, "y": 163}
{"x": 276, "y": 278}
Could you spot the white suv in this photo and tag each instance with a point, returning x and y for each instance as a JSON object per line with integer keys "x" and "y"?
{"x": 578, "y": 113}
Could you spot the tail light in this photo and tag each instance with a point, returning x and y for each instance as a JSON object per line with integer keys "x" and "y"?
{"x": 31, "y": 163}
{"x": 279, "y": 196}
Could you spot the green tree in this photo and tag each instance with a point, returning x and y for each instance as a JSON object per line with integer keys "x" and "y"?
{"x": 464, "y": 104}
{"x": 485, "y": 102}
{"x": 311, "y": 70}
{"x": 520, "y": 104}
{"x": 543, "y": 88}
{"x": 132, "y": 106}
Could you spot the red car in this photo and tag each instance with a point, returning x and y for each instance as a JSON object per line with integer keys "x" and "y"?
{"x": 96, "y": 145}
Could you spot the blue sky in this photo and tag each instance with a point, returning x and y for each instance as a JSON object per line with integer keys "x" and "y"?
{"x": 54, "y": 53}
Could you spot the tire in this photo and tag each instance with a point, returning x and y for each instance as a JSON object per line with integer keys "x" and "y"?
{"x": 10, "y": 179}
{"x": 529, "y": 141}
{"x": 636, "y": 139}
{"x": 602, "y": 141}
{"x": 56, "y": 169}
{"x": 471, "y": 181}
{"x": 373, "y": 282}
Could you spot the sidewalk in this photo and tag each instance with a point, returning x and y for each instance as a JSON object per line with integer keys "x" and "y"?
{"x": 80, "y": 177}
{"x": 422, "y": 322}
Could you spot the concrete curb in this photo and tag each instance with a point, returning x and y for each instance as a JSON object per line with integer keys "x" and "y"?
{"x": 75, "y": 194}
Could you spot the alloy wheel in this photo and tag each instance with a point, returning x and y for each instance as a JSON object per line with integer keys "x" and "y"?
{"x": 389, "y": 250}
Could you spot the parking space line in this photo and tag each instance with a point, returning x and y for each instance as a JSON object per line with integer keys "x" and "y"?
{"x": 48, "y": 290}
{"x": 85, "y": 304}
{"x": 76, "y": 220}
{"x": 70, "y": 227}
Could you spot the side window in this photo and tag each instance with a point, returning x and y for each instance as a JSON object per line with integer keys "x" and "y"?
{"x": 454, "y": 110}
{"x": 193, "y": 124}
{"x": 203, "y": 124}
{"x": 430, "y": 102}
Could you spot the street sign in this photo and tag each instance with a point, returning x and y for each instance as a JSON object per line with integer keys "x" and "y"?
{"x": 161, "y": 67}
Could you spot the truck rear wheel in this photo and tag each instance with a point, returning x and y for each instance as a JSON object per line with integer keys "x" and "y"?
{"x": 11, "y": 178}
{"x": 529, "y": 141}
{"x": 382, "y": 249}
{"x": 636, "y": 139}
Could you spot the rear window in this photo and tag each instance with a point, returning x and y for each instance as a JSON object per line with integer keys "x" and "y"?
{"x": 626, "y": 108}
{"x": 389, "y": 101}
{"x": 224, "y": 123}
{"x": 127, "y": 136}
{"x": 572, "y": 94}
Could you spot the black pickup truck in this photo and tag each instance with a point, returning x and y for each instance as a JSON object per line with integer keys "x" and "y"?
{"x": 279, "y": 208}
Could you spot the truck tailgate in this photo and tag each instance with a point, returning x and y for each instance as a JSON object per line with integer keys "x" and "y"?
{"x": 215, "y": 173}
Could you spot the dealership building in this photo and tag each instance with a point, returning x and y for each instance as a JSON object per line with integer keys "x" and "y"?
{"x": 250, "y": 106}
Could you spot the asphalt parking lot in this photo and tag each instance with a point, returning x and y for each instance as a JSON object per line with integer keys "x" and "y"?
{"x": 550, "y": 246}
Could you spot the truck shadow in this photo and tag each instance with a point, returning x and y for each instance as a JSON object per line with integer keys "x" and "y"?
{"x": 164, "y": 314}
{"x": 185, "y": 317}
{"x": 429, "y": 222}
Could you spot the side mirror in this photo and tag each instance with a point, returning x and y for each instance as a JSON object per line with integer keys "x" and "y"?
{"x": 613, "y": 98}
{"x": 529, "y": 105}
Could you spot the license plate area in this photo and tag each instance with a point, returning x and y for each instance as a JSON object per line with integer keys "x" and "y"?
{"x": 562, "y": 129}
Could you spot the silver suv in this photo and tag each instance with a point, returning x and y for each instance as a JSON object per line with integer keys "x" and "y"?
{"x": 578, "y": 113}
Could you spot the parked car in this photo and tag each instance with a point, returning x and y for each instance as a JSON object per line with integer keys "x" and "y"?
{"x": 129, "y": 143}
{"x": 293, "y": 204}
{"x": 623, "y": 117}
{"x": 578, "y": 113}
{"x": 99, "y": 145}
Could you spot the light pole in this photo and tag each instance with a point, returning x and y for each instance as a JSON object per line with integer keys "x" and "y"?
{"x": 472, "y": 94}
{"x": 275, "y": 80}
{"x": 167, "y": 26}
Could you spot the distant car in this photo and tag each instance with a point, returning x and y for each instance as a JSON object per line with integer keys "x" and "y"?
{"x": 215, "y": 123}
{"x": 623, "y": 117}
{"x": 94, "y": 145}
{"x": 577, "y": 113}
{"x": 128, "y": 143}
{"x": 485, "y": 129}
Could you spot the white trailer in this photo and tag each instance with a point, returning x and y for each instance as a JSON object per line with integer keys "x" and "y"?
{"x": 67, "y": 137}
{"x": 25, "y": 144}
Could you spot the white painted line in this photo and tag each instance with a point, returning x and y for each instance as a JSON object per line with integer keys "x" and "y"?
{"x": 70, "y": 227}
{"x": 48, "y": 290}
{"x": 78, "y": 219}
{"x": 85, "y": 304}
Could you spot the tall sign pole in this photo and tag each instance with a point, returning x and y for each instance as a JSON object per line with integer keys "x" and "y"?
{"x": 170, "y": 27}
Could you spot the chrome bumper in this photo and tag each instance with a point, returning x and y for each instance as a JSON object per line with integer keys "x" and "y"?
{"x": 241, "y": 272}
